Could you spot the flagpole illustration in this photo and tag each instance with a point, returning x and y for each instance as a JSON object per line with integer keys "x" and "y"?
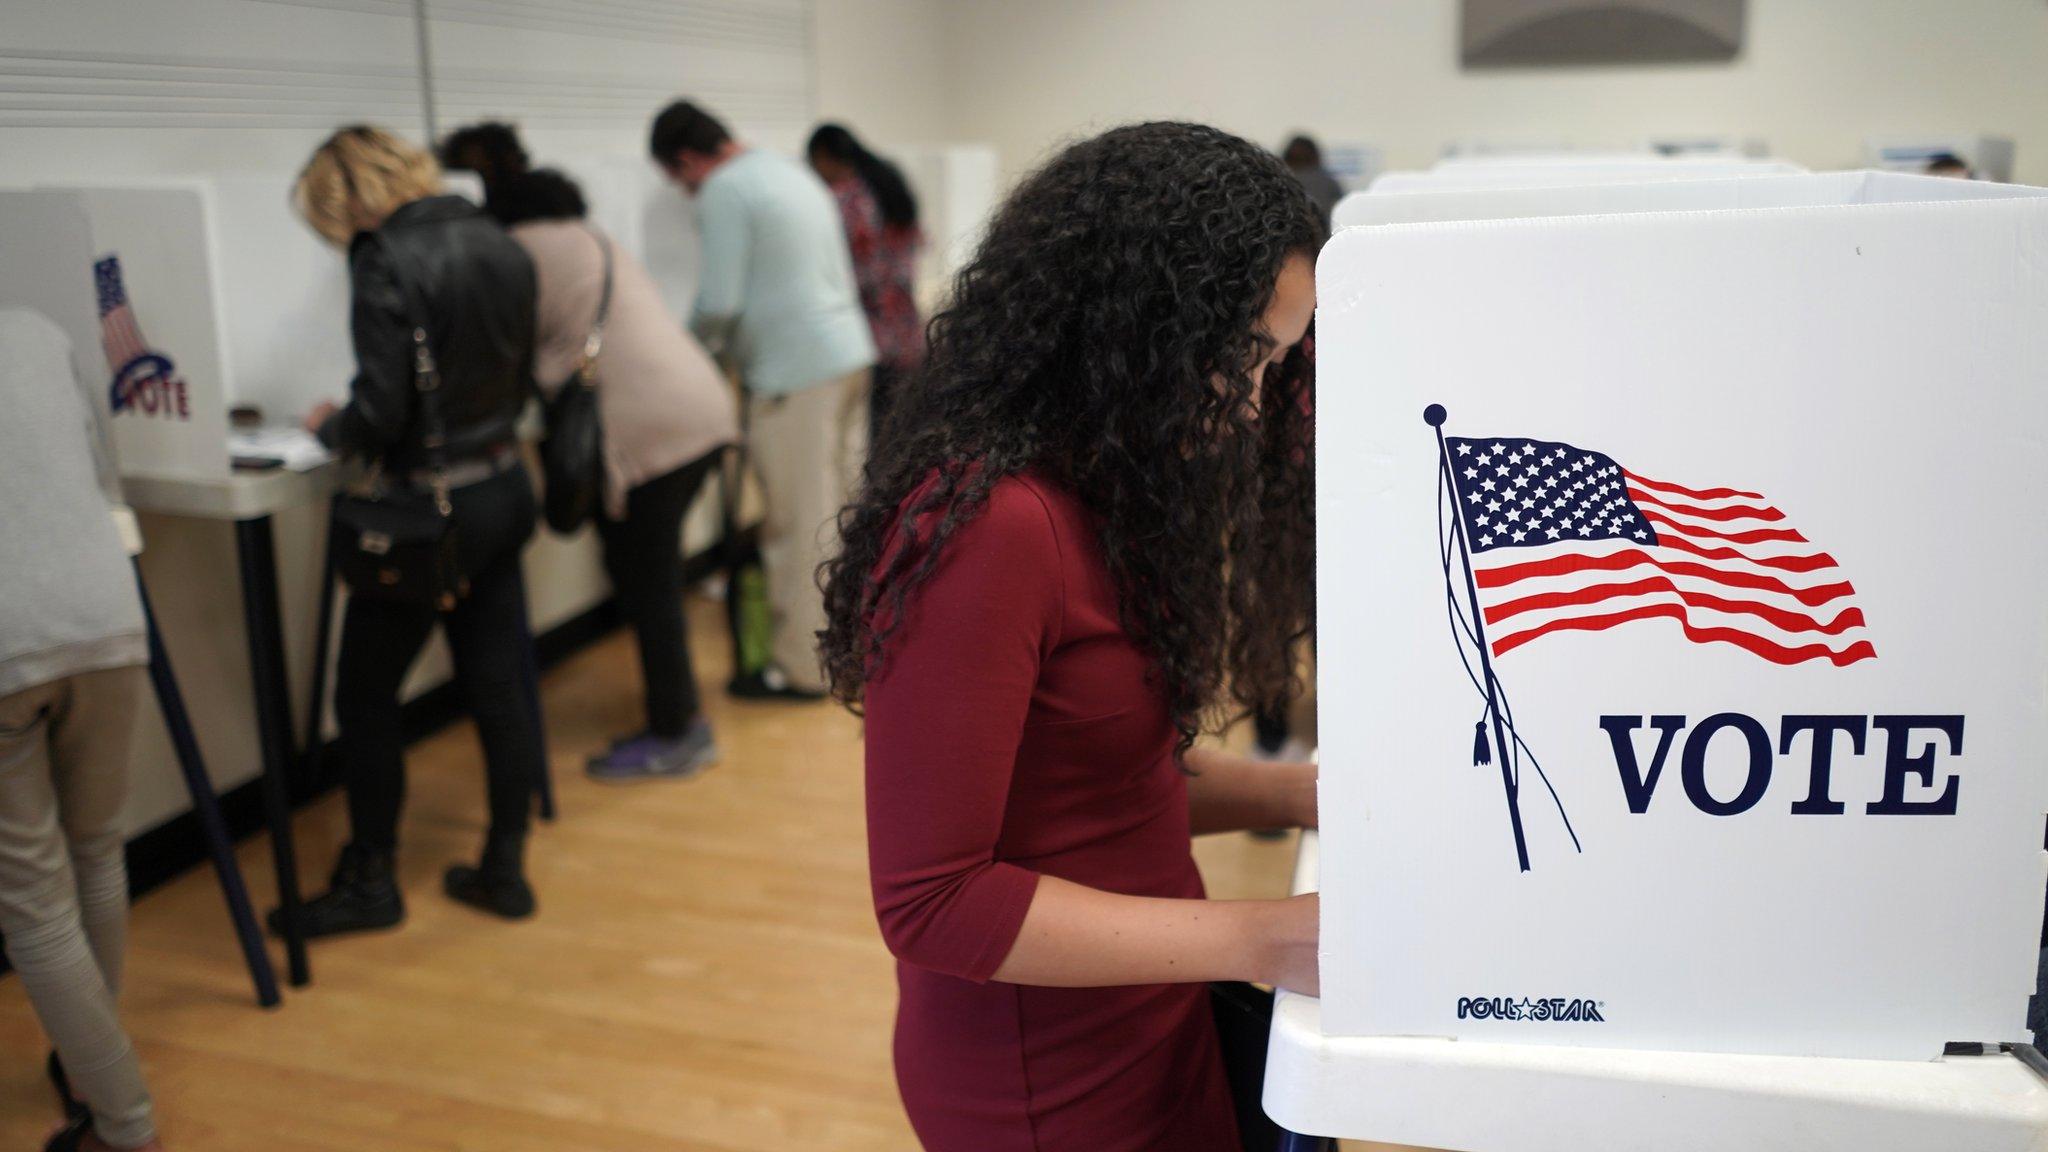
{"x": 1434, "y": 416}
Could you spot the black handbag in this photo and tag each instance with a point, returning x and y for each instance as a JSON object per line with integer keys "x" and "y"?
{"x": 572, "y": 451}
{"x": 398, "y": 543}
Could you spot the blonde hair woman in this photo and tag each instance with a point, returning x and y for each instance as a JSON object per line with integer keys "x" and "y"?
{"x": 418, "y": 258}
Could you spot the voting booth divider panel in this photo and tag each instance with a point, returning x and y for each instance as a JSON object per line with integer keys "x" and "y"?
{"x": 1686, "y": 690}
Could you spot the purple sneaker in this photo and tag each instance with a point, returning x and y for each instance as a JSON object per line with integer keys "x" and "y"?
{"x": 651, "y": 757}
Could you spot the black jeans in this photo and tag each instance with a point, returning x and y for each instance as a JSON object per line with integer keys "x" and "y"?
{"x": 644, "y": 556}
{"x": 1269, "y": 730}
{"x": 488, "y": 636}
{"x": 885, "y": 387}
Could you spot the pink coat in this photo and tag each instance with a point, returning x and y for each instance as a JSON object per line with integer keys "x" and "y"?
{"x": 662, "y": 401}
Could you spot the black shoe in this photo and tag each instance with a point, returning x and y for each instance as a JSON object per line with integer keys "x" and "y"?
{"x": 71, "y": 1137}
{"x": 74, "y": 1108}
{"x": 769, "y": 683}
{"x": 498, "y": 883}
{"x": 362, "y": 897}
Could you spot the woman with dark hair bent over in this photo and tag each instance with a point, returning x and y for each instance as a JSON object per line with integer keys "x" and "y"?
{"x": 1092, "y": 545}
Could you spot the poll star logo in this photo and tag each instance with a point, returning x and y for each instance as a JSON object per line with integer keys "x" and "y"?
{"x": 1543, "y": 1010}
{"x": 145, "y": 381}
{"x": 1538, "y": 537}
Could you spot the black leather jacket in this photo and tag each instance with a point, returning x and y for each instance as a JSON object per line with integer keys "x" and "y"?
{"x": 476, "y": 287}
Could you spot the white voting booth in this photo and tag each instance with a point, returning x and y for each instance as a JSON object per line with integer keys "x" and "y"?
{"x": 1989, "y": 157}
{"x": 956, "y": 187}
{"x": 143, "y": 256}
{"x": 1573, "y": 169}
{"x": 1748, "y": 192}
{"x": 1682, "y": 735}
{"x": 252, "y": 306}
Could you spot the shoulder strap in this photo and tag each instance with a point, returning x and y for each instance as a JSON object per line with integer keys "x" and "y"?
{"x": 595, "y": 342}
{"x": 426, "y": 377}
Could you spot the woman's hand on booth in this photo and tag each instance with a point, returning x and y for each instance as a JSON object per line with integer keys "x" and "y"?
{"x": 318, "y": 416}
{"x": 1232, "y": 793}
{"x": 1292, "y": 942}
{"x": 1298, "y": 784}
{"x": 1074, "y": 936}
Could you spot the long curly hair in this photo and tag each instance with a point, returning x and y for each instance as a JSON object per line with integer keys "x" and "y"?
{"x": 1103, "y": 337}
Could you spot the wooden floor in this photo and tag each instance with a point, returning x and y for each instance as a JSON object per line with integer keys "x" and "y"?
{"x": 704, "y": 972}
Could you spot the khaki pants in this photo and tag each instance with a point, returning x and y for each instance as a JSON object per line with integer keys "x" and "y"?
{"x": 808, "y": 448}
{"x": 63, "y": 885}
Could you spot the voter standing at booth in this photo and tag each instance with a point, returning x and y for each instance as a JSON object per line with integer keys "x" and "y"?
{"x": 667, "y": 417}
{"x": 434, "y": 282}
{"x": 72, "y": 647}
{"x": 776, "y": 298}
{"x": 879, "y": 213}
{"x": 1090, "y": 546}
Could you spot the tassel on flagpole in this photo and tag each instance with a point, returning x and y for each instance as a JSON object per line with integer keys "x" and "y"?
{"x": 1481, "y": 753}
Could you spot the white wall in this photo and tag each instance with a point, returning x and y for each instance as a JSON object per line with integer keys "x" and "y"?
{"x": 882, "y": 69}
{"x": 97, "y": 89}
{"x": 1814, "y": 77}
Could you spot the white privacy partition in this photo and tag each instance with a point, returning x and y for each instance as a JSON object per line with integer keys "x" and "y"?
{"x": 1461, "y": 174}
{"x": 956, "y": 186}
{"x": 156, "y": 272}
{"x": 1724, "y": 520}
{"x": 249, "y": 304}
{"x": 1989, "y": 157}
{"x": 1772, "y": 191}
{"x": 1681, "y": 777}
{"x": 285, "y": 301}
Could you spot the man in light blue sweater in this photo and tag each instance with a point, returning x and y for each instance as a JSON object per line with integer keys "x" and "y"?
{"x": 776, "y": 299}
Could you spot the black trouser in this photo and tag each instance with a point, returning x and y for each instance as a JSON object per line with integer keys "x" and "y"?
{"x": 644, "y": 555}
{"x": 1269, "y": 730}
{"x": 487, "y": 634}
{"x": 885, "y": 385}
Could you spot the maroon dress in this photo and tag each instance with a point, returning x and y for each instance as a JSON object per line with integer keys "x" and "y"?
{"x": 1013, "y": 732}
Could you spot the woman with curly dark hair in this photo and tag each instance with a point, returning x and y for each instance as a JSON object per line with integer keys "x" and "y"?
{"x": 1088, "y": 540}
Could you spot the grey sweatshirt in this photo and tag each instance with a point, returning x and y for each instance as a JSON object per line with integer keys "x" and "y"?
{"x": 68, "y": 603}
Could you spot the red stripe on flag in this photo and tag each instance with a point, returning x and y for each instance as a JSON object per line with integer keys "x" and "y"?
{"x": 1770, "y": 650}
{"x": 1758, "y": 536}
{"x": 1781, "y": 618}
{"x": 1732, "y": 512}
{"x": 1695, "y": 493}
{"x": 1616, "y": 561}
{"x": 1813, "y": 563}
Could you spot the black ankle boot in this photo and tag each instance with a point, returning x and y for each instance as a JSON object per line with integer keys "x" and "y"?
{"x": 74, "y": 1108}
{"x": 71, "y": 1137}
{"x": 498, "y": 883}
{"x": 362, "y": 897}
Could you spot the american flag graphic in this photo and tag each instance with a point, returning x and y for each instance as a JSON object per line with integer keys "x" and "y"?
{"x": 1564, "y": 539}
{"x": 119, "y": 336}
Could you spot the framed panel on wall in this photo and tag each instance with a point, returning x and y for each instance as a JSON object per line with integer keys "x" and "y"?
{"x": 1512, "y": 33}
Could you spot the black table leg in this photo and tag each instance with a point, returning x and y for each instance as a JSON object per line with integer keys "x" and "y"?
{"x": 206, "y": 805}
{"x": 255, "y": 548}
{"x": 1295, "y": 1142}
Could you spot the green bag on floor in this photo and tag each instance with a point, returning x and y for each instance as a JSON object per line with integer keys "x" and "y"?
{"x": 752, "y": 621}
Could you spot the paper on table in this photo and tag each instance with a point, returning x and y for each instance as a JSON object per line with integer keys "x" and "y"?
{"x": 298, "y": 448}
